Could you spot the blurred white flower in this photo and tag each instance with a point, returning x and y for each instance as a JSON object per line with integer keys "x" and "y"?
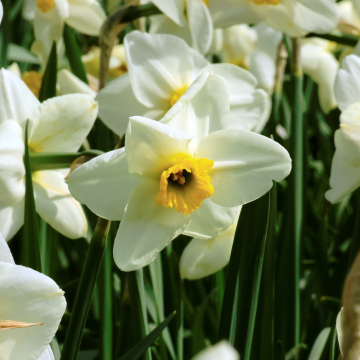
{"x": 161, "y": 68}
{"x": 68, "y": 83}
{"x": 347, "y": 14}
{"x": 202, "y": 257}
{"x": 253, "y": 48}
{"x": 293, "y": 17}
{"x": 1, "y": 12}
{"x": 345, "y": 170}
{"x": 221, "y": 351}
{"x": 32, "y": 306}
{"x": 59, "y": 124}
{"x": 184, "y": 171}
{"x": 321, "y": 65}
{"x": 49, "y": 16}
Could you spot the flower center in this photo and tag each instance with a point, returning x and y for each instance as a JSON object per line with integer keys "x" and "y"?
{"x": 8, "y": 324}
{"x": 185, "y": 184}
{"x": 45, "y": 5}
{"x": 206, "y": 2}
{"x": 177, "y": 95}
{"x": 33, "y": 81}
{"x": 268, "y": 2}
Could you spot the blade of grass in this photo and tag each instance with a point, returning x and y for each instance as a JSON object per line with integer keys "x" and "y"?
{"x": 48, "y": 85}
{"x": 4, "y": 33}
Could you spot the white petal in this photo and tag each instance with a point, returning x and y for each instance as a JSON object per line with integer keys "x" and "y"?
{"x": 5, "y": 253}
{"x": 174, "y": 9}
{"x": 339, "y": 328}
{"x": 347, "y": 85}
{"x": 86, "y": 16}
{"x": 200, "y": 24}
{"x": 56, "y": 206}
{"x": 201, "y": 257}
{"x": 202, "y": 109}
{"x": 344, "y": 179}
{"x": 146, "y": 228}
{"x": 159, "y": 65}
{"x": 1, "y": 11}
{"x": 68, "y": 83}
{"x": 104, "y": 184}
{"x": 223, "y": 350}
{"x": 29, "y": 9}
{"x": 12, "y": 170}
{"x": 210, "y": 219}
{"x": 117, "y": 103}
{"x": 151, "y": 146}
{"x": 245, "y": 165}
{"x": 62, "y": 123}
{"x": 17, "y": 101}
{"x": 268, "y": 40}
{"x": 356, "y": 4}
{"x": 47, "y": 354}
{"x": 31, "y": 297}
{"x": 249, "y": 108}
{"x": 11, "y": 219}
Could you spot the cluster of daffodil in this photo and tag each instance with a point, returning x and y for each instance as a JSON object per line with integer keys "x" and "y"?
{"x": 189, "y": 95}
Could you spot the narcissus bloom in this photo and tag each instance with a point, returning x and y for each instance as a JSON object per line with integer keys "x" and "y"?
{"x": 223, "y": 350}
{"x": 32, "y": 306}
{"x": 161, "y": 68}
{"x": 59, "y": 124}
{"x": 185, "y": 174}
{"x": 345, "y": 169}
{"x": 202, "y": 257}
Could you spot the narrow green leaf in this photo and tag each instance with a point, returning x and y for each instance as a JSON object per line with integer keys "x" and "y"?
{"x": 31, "y": 240}
{"x": 48, "y": 85}
{"x": 4, "y": 33}
{"x": 73, "y": 54}
{"x": 319, "y": 344}
{"x": 139, "y": 349}
{"x": 333, "y": 344}
{"x": 279, "y": 352}
{"x": 355, "y": 245}
{"x": 343, "y": 39}
{"x": 21, "y": 54}
{"x": 15, "y": 9}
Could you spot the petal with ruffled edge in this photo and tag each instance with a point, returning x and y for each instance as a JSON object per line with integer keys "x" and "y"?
{"x": 68, "y": 83}
{"x": 146, "y": 228}
{"x": 11, "y": 219}
{"x": 61, "y": 124}
{"x": 173, "y": 9}
{"x": 55, "y": 204}
{"x": 104, "y": 184}
{"x": 5, "y": 253}
{"x": 210, "y": 219}
{"x": 151, "y": 145}
{"x": 222, "y": 350}
{"x": 12, "y": 170}
{"x": 202, "y": 109}
{"x": 28, "y": 296}
{"x": 86, "y": 16}
{"x": 17, "y": 101}
{"x": 347, "y": 85}
{"x": 159, "y": 66}
{"x": 245, "y": 165}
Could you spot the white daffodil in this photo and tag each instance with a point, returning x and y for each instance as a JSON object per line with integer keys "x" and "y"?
{"x": 221, "y": 351}
{"x": 49, "y": 16}
{"x": 68, "y": 83}
{"x": 202, "y": 257}
{"x": 187, "y": 19}
{"x": 321, "y": 65}
{"x": 184, "y": 174}
{"x": 32, "y": 306}
{"x": 161, "y": 68}
{"x": 58, "y": 125}
{"x": 348, "y": 15}
{"x": 254, "y": 48}
{"x": 293, "y": 17}
{"x": 345, "y": 169}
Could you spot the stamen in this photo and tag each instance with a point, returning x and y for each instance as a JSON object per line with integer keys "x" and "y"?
{"x": 9, "y": 324}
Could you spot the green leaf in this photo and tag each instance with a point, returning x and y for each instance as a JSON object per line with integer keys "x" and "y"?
{"x": 139, "y": 349}
{"x": 31, "y": 240}
{"x": 73, "y": 54}
{"x": 21, "y": 54}
{"x": 319, "y": 344}
{"x": 4, "y": 33}
{"x": 48, "y": 85}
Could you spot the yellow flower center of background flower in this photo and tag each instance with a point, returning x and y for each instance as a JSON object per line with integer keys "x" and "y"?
{"x": 177, "y": 95}
{"x": 33, "y": 81}
{"x": 185, "y": 184}
{"x": 268, "y": 2}
{"x": 45, "y": 5}
{"x": 206, "y": 2}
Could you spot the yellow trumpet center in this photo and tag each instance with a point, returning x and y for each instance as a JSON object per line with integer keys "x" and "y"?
{"x": 177, "y": 95}
{"x": 267, "y": 2}
{"x": 185, "y": 184}
{"x": 206, "y": 2}
{"x": 45, "y": 5}
{"x": 33, "y": 81}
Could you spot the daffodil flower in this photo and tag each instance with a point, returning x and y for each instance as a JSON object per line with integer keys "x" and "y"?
{"x": 185, "y": 174}
{"x": 32, "y": 306}
{"x": 345, "y": 169}
{"x": 223, "y": 350}
{"x": 49, "y": 16}
{"x": 202, "y": 257}
{"x": 293, "y": 17}
{"x": 59, "y": 124}
{"x": 161, "y": 69}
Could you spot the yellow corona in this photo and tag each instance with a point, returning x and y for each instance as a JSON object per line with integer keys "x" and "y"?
{"x": 177, "y": 95}
{"x": 45, "y": 5}
{"x": 266, "y": 2}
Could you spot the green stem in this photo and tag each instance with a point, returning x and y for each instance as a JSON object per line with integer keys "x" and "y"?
{"x": 355, "y": 244}
{"x": 85, "y": 290}
{"x": 4, "y": 33}
{"x": 136, "y": 12}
